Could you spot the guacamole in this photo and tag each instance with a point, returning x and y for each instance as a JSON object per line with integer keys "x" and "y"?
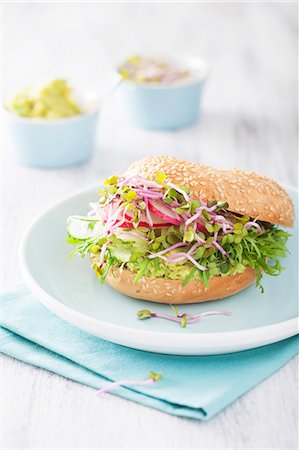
{"x": 53, "y": 101}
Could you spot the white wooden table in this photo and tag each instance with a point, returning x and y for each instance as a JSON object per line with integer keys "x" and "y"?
{"x": 248, "y": 121}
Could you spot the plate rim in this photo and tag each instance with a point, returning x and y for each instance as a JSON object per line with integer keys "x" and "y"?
{"x": 194, "y": 341}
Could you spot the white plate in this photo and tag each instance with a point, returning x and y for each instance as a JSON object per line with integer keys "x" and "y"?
{"x": 70, "y": 289}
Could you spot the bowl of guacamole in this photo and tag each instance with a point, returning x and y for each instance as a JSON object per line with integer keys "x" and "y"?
{"x": 52, "y": 125}
{"x": 52, "y": 101}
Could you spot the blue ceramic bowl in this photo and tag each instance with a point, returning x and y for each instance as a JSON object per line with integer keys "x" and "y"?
{"x": 166, "y": 107}
{"x": 54, "y": 143}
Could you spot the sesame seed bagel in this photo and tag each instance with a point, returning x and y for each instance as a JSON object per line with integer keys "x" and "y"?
{"x": 164, "y": 290}
{"x": 246, "y": 192}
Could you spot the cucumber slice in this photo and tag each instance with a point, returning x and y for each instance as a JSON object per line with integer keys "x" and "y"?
{"x": 81, "y": 227}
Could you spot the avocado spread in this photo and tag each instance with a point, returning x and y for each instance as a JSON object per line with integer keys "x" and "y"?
{"x": 53, "y": 101}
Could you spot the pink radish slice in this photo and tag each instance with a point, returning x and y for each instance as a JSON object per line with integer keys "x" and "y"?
{"x": 159, "y": 225}
{"x": 163, "y": 212}
{"x": 103, "y": 212}
{"x": 122, "y": 225}
{"x": 144, "y": 223}
{"x": 126, "y": 225}
{"x": 200, "y": 227}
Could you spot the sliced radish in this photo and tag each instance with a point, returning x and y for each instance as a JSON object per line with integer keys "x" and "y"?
{"x": 144, "y": 223}
{"x": 160, "y": 225}
{"x": 103, "y": 211}
{"x": 126, "y": 225}
{"x": 103, "y": 214}
{"x": 200, "y": 227}
{"x": 143, "y": 219}
{"x": 162, "y": 211}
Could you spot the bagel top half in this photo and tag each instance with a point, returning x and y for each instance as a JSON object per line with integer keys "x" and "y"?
{"x": 246, "y": 192}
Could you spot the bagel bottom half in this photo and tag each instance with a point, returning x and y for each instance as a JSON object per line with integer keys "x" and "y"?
{"x": 164, "y": 290}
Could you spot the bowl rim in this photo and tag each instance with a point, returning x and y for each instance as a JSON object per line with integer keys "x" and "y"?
{"x": 190, "y": 60}
{"x": 63, "y": 120}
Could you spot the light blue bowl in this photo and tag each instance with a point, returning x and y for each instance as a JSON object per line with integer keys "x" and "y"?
{"x": 53, "y": 143}
{"x": 167, "y": 107}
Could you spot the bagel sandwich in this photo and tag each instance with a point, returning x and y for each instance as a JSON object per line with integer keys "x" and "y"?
{"x": 174, "y": 231}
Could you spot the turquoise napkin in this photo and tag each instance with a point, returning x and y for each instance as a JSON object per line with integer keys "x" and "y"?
{"x": 192, "y": 386}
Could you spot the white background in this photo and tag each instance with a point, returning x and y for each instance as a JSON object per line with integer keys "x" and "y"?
{"x": 248, "y": 121}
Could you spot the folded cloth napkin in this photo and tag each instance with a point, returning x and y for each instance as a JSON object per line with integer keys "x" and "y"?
{"x": 192, "y": 386}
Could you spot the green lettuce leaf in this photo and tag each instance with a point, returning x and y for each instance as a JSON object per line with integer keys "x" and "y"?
{"x": 244, "y": 248}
